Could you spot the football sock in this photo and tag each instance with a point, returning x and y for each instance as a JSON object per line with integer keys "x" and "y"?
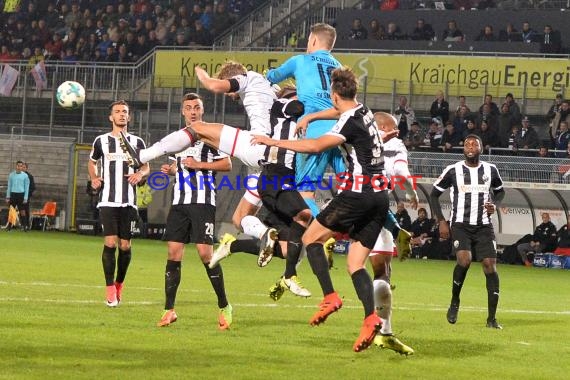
{"x": 294, "y": 246}
{"x": 459, "y": 274}
{"x": 363, "y": 286}
{"x": 172, "y": 143}
{"x": 492, "y": 280}
{"x": 216, "y": 276}
{"x": 123, "y": 261}
{"x": 320, "y": 266}
{"x": 252, "y": 226}
{"x": 108, "y": 258}
{"x": 383, "y": 304}
{"x": 250, "y": 246}
{"x": 172, "y": 275}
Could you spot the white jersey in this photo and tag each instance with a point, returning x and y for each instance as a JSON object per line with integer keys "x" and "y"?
{"x": 394, "y": 152}
{"x": 257, "y": 96}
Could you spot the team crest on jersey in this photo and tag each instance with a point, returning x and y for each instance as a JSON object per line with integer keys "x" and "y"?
{"x": 456, "y": 244}
{"x": 485, "y": 178}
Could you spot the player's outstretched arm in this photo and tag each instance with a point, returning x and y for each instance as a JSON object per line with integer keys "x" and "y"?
{"x": 220, "y": 86}
{"x": 301, "y": 146}
{"x": 328, "y": 114}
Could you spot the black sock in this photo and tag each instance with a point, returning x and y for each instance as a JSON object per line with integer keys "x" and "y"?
{"x": 459, "y": 274}
{"x": 250, "y": 246}
{"x": 320, "y": 266}
{"x": 492, "y": 293}
{"x": 216, "y": 277}
{"x": 364, "y": 289}
{"x": 108, "y": 258}
{"x": 294, "y": 246}
{"x": 123, "y": 261}
{"x": 277, "y": 252}
{"x": 172, "y": 275}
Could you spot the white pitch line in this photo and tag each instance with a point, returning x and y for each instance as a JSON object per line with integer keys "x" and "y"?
{"x": 273, "y": 305}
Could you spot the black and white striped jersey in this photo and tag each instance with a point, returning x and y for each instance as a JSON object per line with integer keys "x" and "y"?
{"x": 470, "y": 188}
{"x": 284, "y": 114}
{"x": 116, "y": 190}
{"x": 362, "y": 150}
{"x": 257, "y": 95}
{"x": 195, "y": 186}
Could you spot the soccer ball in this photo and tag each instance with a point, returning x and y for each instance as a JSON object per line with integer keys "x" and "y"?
{"x": 70, "y": 95}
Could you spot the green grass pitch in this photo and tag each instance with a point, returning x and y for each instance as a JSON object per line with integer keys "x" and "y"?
{"x": 54, "y": 324}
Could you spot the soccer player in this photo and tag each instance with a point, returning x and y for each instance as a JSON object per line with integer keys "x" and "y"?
{"x": 192, "y": 215}
{"x": 18, "y": 191}
{"x": 476, "y": 191}
{"x": 396, "y": 165}
{"x": 360, "y": 208}
{"x": 312, "y": 73}
{"x": 117, "y": 198}
{"x": 288, "y": 212}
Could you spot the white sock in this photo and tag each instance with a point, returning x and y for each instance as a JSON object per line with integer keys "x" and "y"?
{"x": 383, "y": 304}
{"x": 252, "y": 226}
{"x": 172, "y": 143}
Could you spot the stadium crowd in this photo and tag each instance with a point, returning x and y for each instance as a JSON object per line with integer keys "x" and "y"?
{"x": 110, "y": 30}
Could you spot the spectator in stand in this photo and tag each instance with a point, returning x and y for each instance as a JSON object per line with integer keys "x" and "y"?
{"x": 450, "y": 138}
{"x": 510, "y": 34}
{"x": 460, "y": 121}
{"x": 452, "y": 33}
{"x": 489, "y": 137}
{"x": 415, "y": 137}
{"x": 357, "y": 31}
{"x": 124, "y": 56}
{"x": 201, "y": 36}
{"x": 422, "y": 31}
{"x": 440, "y": 107}
{"x": 4, "y": 54}
{"x": 543, "y": 240}
{"x": 141, "y": 47}
{"x": 462, "y": 103}
{"x": 377, "y": 31}
{"x": 182, "y": 14}
{"x": 403, "y": 217}
{"x": 512, "y": 143}
{"x": 434, "y": 135}
{"x": 528, "y": 34}
{"x": 492, "y": 105}
{"x": 471, "y": 129}
{"x": 37, "y": 56}
{"x": 505, "y": 125}
{"x": 563, "y": 114}
{"x": 54, "y": 48}
{"x": 487, "y": 116}
{"x": 556, "y": 106}
{"x": 551, "y": 42}
{"x": 486, "y": 34}
{"x": 405, "y": 116}
{"x": 221, "y": 20}
{"x": 527, "y": 138}
{"x": 562, "y": 139}
{"x": 207, "y": 16}
{"x": 514, "y": 108}
{"x": 421, "y": 230}
{"x": 196, "y": 13}
{"x": 393, "y": 32}
{"x": 543, "y": 152}
{"x": 563, "y": 235}
{"x": 462, "y": 5}
{"x": 389, "y": 5}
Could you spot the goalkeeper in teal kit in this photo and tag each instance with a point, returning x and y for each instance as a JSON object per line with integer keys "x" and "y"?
{"x": 312, "y": 76}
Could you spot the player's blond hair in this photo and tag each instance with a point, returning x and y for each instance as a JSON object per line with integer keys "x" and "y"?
{"x": 230, "y": 69}
{"x": 325, "y": 33}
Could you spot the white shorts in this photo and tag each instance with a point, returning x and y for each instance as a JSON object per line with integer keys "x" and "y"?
{"x": 384, "y": 244}
{"x": 251, "y": 195}
{"x": 237, "y": 143}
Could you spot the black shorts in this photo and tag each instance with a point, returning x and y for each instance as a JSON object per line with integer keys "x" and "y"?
{"x": 192, "y": 223}
{"x": 479, "y": 240}
{"x": 362, "y": 215}
{"x": 118, "y": 221}
{"x": 276, "y": 187}
{"x": 17, "y": 200}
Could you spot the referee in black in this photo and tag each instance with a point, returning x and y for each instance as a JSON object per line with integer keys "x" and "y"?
{"x": 476, "y": 189}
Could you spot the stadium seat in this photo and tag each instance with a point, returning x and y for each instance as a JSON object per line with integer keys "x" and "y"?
{"x": 47, "y": 212}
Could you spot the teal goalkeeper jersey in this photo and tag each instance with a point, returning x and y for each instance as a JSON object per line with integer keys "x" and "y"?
{"x": 312, "y": 73}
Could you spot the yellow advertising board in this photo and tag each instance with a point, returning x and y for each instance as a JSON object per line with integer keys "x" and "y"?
{"x": 382, "y": 74}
